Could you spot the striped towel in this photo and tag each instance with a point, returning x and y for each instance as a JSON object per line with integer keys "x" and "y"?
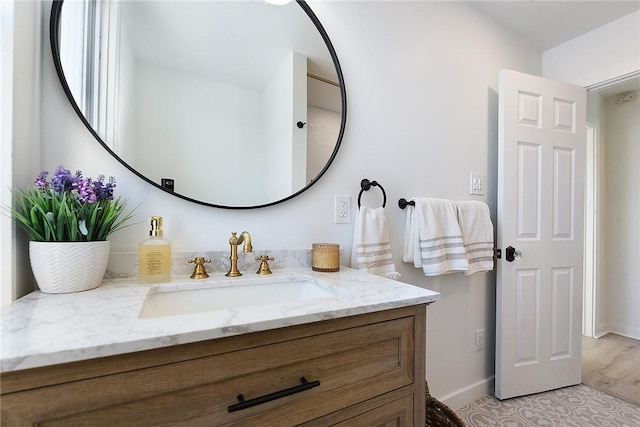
{"x": 477, "y": 233}
{"x": 371, "y": 249}
{"x": 433, "y": 239}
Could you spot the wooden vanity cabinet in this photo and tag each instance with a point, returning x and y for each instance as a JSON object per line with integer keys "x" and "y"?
{"x": 362, "y": 370}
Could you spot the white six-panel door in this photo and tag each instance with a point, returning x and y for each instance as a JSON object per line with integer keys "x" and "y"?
{"x": 540, "y": 215}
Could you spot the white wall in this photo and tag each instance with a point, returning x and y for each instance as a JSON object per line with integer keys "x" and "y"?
{"x": 621, "y": 144}
{"x": 605, "y": 53}
{"x": 22, "y": 143}
{"x": 7, "y": 248}
{"x": 421, "y": 81}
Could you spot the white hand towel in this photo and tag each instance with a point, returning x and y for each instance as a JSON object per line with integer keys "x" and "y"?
{"x": 411, "y": 239}
{"x": 434, "y": 237}
{"x": 371, "y": 249}
{"x": 477, "y": 233}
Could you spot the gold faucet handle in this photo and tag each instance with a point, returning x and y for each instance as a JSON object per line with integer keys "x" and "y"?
{"x": 264, "y": 265}
{"x": 199, "y": 272}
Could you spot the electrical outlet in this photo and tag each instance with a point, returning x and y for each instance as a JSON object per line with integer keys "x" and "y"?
{"x": 342, "y": 210}
{"x": 476, "y": 185}
{"x": 479, "y": 339}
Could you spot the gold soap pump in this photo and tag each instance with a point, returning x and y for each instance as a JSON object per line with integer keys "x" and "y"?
{"x": 154, "y": 255}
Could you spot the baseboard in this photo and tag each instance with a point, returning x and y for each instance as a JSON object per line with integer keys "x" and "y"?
{"x": 468, "y": 394}
{"x": 618, "y": 329}
{"x": 625, "y": 330}
{"x": 602, "y": 329}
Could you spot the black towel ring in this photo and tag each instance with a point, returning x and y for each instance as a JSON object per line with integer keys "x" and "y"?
{"x": 365, "y": 185}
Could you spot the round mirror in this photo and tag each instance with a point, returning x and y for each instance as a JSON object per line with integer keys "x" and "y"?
{"x": 232, "y": 104}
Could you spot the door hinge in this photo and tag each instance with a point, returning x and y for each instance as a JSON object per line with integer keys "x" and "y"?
{"x": 498, "y": 253}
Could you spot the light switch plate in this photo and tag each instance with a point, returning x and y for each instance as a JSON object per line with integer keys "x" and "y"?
{"x": 477, "y": 184}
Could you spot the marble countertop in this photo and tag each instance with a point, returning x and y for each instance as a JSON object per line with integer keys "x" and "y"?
{"x": 47, "y": 329}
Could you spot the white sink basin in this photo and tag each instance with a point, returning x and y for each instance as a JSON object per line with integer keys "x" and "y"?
{"x": 197, "y": 297}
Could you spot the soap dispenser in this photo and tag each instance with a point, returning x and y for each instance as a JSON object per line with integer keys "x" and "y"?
{"x": 154, "y": 255}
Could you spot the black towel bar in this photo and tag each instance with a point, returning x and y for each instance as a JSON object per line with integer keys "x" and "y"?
{"x": 403, "y": 203}
{"x": 365, "y": 185}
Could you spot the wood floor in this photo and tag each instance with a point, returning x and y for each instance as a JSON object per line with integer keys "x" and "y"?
{"x": 612, "y": 364}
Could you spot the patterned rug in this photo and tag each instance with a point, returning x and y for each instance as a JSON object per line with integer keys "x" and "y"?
{"x": 577, "y": 406}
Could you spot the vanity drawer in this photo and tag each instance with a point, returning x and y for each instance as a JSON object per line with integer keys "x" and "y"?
{"x": 351, "y": 365}
{"x": 392, "y": 409}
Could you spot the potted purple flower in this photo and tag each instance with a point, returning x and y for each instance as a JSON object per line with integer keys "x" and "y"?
{"x": 69, "y": 218}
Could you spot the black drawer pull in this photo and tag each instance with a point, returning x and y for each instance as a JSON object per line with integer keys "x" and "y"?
{"x": 244, "y": 404}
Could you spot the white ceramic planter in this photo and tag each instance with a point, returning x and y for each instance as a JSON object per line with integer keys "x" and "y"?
{"x": 63, "y": 267}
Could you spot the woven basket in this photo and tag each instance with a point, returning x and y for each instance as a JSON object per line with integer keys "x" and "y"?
{"x": 440, "y": 415}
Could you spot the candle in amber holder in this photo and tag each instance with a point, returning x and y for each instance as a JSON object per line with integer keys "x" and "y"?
{"x": 325, "y": 257}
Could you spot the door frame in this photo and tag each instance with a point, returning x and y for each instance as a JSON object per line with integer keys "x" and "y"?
{"x": 592, "y": 326}
{"x": 590, "y": 288}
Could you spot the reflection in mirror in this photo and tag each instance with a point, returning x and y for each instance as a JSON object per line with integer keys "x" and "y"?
{"x": 240, "y": 103}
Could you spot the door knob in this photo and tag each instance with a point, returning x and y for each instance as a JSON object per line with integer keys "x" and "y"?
{"x": 512, "y": 254}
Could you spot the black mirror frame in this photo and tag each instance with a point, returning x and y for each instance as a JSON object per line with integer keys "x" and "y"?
{"x": 54, "y": 33}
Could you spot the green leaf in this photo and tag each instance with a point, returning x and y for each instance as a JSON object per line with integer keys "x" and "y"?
{"x": 82, "y": 226}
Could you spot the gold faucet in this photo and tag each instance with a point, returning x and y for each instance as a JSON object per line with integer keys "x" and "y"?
{"x": 199, "y": 272}
{"x": 234, "y": 241}
{"x": 264, "y": 269}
